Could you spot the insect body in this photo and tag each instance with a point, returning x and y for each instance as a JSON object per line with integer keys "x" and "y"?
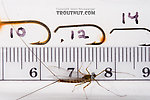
{"x": 87, "y": 78}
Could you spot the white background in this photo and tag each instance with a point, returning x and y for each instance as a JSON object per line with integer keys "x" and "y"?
{"x": 108, "y": 16}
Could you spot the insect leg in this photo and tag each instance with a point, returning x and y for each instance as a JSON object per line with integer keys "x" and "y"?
{"x": 80, "y": 71}
{"x": 100, "y": 72}
{"x": 36, "y": 90}
{"x": 84, "y": 89}
{"x": 76, "y": 85}
{"x": 88, "y": 67}
{"x": 109, "y": 90}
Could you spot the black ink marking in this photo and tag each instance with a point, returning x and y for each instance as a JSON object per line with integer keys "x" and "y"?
{"x": 72, "y": 35}
{"x": 23, "y": 32}
{"x": 123, "y": 18}
{"x": 62, "y": 40}
{"x": 11, "y": 32}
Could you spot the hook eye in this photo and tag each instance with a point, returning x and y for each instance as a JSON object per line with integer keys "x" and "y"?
{"x": 84, "y": 25}
{"x": 30, "y": 22}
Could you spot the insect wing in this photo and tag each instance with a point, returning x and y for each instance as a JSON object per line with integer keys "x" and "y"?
{"x": 62, "y": 73}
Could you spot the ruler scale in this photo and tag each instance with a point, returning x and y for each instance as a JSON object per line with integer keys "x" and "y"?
{"x": 121, "y": 59}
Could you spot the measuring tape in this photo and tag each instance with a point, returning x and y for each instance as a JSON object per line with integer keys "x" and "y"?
{"x": 20, "y": 64}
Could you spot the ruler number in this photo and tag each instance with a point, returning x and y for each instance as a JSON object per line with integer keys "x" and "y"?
{"x": 108, "y": 71}
{"x": 72, "y": 69}
{"x": 33, "y": 72}
{"x": 146, "y": 71}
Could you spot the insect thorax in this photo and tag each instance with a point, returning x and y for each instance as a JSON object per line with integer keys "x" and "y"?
{"x": 93, "y": 75}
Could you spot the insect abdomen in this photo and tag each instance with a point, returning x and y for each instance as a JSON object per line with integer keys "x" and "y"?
{"x": 70, "y": 80}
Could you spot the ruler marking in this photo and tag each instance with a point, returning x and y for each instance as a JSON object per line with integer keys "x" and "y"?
{"x": 2, "y": 63}
{"x": 24, "y": 54}
{"x": 32, "y": 54}
{"x": 137, "y": 54}
{"x": 28, "y": 54}
{"x": 40, "y": 62}
{"x": 62, "y": 55}
{"x": 96, "y": 56}
{"x": 21, "y": 58}
{"x": 133, "y": 57}
{"x": 13, "y": 54}
{"x": 55, "y": 54}
{"x": 17, "y": 54}
{"x": 85, "y": 54}
{"x": 66, "y": 55}
{"x": 118, "y": 54}
{"x": 73, "y": 54}
{"x": 88, "y": 54}
{"x": 43, "y": 54}
{"x": 36, "y": 54}
{"x": 103, "y": 54}
{"x": 10, "y": 54}
{"x": 6, "y": 55}
{"x": 111, "y": 55}
{"x": 70, "y": 54}
{"x": 100, "y": 54}
{"x": 107, "y": 54}
{"x": 58, "y": 57}
{"x": 130, "y": 54}
{"x": 115, "y": 63}
{"x": 126, "y": 54}
{"x": 81, "y": 54}
{"x": 51, "y": 54}
{"x": 77, "y": 62}
{"x": 122, "y": 54}
{"x": 141, "y": 54}
{"x": 47, "y": 54}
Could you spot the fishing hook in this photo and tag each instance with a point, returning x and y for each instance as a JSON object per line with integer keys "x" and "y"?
{"x": 132, "y": 29}
{"x": 129, "y": 29}
{"x": 84, "y": 25}
{"x": 27, "y": 22}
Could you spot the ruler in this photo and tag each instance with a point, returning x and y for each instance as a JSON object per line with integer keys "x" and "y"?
{"x": 20, "y": 63}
